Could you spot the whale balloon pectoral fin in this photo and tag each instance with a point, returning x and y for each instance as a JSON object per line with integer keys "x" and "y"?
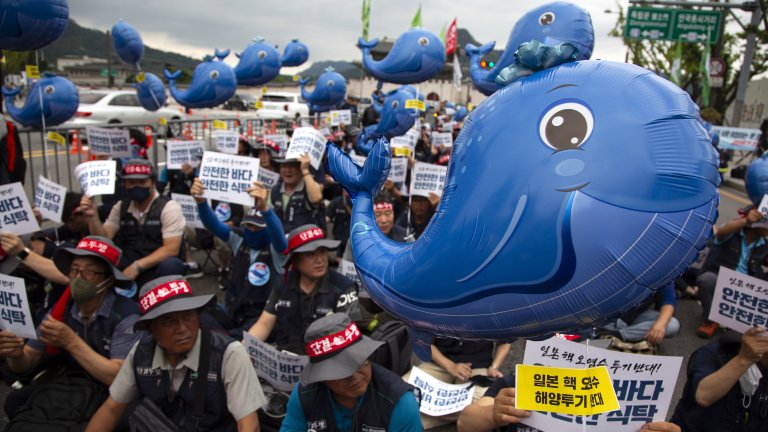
{"x": 421, "y": 343}
{"x": 171, "y": 76}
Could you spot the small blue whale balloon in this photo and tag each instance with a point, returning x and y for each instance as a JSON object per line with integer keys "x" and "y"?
{"x": 330, "y": 90}
{"x": 416, "y": 56}
{"x": 51, "y": 101}
{"x": 461, "y": 113}
{"x": 550, "y": 24}
{"x": 213, "y": 83}
{"x": 127, "y": 43}
{"x": 295, "y": 53}
{"x": 553, "y": 218}
{"x": 258, "y": 65}
{"x": 756, "y": 179}
{"x": 395, "y": 119}
{"x": 151, "y": 92}
{"x": 27, "y": 25}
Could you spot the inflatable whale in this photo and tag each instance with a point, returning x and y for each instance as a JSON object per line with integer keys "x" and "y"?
{"x": 330, "y": 90}
{"x": 213, "y": 83}
{"x": 127, "y": 43}
{"x": 416, "y": 56}
{"x": 395, "y": 118}
{"x": 27, "y": 25}
{"x": 258, "y": 65}
{"x": 550, "y": 24}
{"x": 51, "y": 101}
{"x": 151, "y": 92}
{"x": 294, "y": 54}
{"x": 553, "y": 218}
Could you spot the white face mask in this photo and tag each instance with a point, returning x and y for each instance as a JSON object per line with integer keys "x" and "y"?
{"x": 750, "y": 380}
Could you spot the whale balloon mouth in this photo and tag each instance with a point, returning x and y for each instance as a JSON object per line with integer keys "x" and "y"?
{"x": 573, "y": 188}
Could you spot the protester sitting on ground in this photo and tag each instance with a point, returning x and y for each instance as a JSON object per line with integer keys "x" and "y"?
{"x": 149, "y": 228}
{"x": 267, "y": 152}
{"x": 309, "y": 291}
{"x": 645, "y": 327}
{"x": 383, "y": 211}
{"x": 230, "y": 391}
{"x": 496, "y": 410}
{"x": 727, "y": 387}
{"x": 91, "y": 325}
{"x": 456, "y": 362}
{"x": 739, "y": 245}
{"x": 297, "y": 197}
{"x": 257, "y": 264}
{"x": 417, "y": 217}
{"x": 73, "y": 225}
{"x": 343, "y": 390}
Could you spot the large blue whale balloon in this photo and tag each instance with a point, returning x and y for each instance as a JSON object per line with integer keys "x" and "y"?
{"x": 151, "y": 92}
{"x": 551, "y": 24}
{"x": 553, "y": 218}
{"x": 213, "y": 83}
{"x": 27, "y": 25}
{"x": 395, "y": 119}
{"x": 51, "y": 101}
{"x": 127, "y": 43}
{"x": 258, "y": 65}
{"x": 330, "y": 90}
{"x": 294, "y": 54}
{"x": 416, "y": 56}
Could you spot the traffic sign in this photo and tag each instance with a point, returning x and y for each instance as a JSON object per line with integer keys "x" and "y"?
{"x": 685, "y": 25}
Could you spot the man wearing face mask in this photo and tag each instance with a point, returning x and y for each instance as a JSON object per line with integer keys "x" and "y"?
{"x": 148, "y": 227}
{"x": 256, "y": 264}
{"x": 91, "y": 326}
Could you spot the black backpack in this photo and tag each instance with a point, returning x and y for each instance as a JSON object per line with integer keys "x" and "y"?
{"x": 395, "y": 354}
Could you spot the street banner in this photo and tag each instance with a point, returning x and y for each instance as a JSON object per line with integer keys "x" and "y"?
{"x": 49, "y": 199}
{"x": 189, "y": 209}
{"x": 226, "y": 141}
{"x": 110, "y": 142}
{"x": 644, "y": 385}
{"x": 740, "y": 301}
{"x": 439, "y": 398}
{"x": 309, "y": 141}
{"x": 182, "y": 152}
{"x": 15, "y": 315}
{"x": 228, "y": 177}
{"x": 427, "y": 178}
{"x": 732, "y": 138}
{"x": 15, "y": 212}
{"x": 281, "y": 369}
{"x": 97, "y": 177}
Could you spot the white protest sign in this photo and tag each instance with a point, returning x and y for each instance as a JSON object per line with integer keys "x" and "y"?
{"x": 324, "y": 131}
{"x": 189, "y": 209}
{"x": 281, "y": 140}
{"x": 439, "y": 398}
{"x": 226, "y": 141}
{"x": 14, "y": 308}
{"x": 49, "y": 199}
{"x": 182, "y": 152}
{"x": 347, "y": 269}
{"x": 444, "y": 139}
{"x": 764, "y": 206}
{"x": 112, "y": 142}
{"x": 15, "y": 212}
{"x": 268, "y": 178}
{"x": 447, "y": 126}
{"x": 644, "y": 385}
{"x": 427, "y": 178}
{"x": 405, "y": 145}
{"x": 228, "y": 177}
{"x": 280, "y": 369}
{"x": 97, "y": 177}
{"x": 339, "y": 117}
{"x": 740, "y": 301}
{"x": 309, "y": 141}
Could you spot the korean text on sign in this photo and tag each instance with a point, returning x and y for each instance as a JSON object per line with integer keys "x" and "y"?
{"x": 226, "y": 141}
{"x": 439, "y": 398}
{"x": 427, "y": 178}
{"x": 282, "y": 370}
{"x": 308, "y": 141}
{"x": 15, "y": 314}
{"x": 565, "y": 390}
{"x": 49, "y": 199}
{"x": 740, "y": 301}
{"x": 184, "y": 152}
{"x": 97, "y": 177}
{"x": 188, "y": 209}
{"x": 112, "y": 142}
{"x": 15, "y": 212}
{"x": 228, "y": 177}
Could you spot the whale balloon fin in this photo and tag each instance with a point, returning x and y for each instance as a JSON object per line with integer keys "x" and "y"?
{"x": 421, "y": 343}
{"x": 481, "y": 50}
{"x": 11, "y": 92}
{"x": 364, "y": 44}
{"x": 370, "y": 177}
{"x": 303, "y": 81}
{"x": 221, "y": 55}
{"x": 171, "y": 76}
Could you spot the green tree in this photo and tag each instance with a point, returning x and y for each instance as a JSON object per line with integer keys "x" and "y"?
{"x": 659, "y": 55}
{"x": 16, "y": 62}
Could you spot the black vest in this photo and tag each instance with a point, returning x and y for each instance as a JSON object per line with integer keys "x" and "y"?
{"x": 250, "y": 283}
{"x": 727, "y": 255}
{"x": 138, "y": 241}
{"x": 99, "y": 334}
{"x": 178, "y": 182}
{"x": 156, "y": 385}
{"x": 296, "y": 311}
{"x": 296, "y": 214}
{"x": 479, "y": 353}
{"x": 383, "y": 393}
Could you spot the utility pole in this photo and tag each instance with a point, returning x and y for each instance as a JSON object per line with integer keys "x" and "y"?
{"x": 110, "y": 78}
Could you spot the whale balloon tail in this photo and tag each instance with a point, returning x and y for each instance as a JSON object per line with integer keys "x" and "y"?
{"x": 482, "y": 50}
{"x": 221, "y": 55}
{"x": 364, "y": 44}
{"x": 303, "y": 81}
{"x": 11, "y": 92}
{"x": 354, "y": 179}
{"x": 171, "y": 76}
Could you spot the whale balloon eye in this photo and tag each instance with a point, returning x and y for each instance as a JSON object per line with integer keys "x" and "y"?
{"x": 423, "y": 41}
{"x": 547, "y": 18}
{"x": 49, "y": 89}
{"x": 262, "y": 54}
{"x": 300, "y": 49}
{"x": 329, "y": 83}
{"x": 395, "y": 104}
{"x": 566, "y": 126}
{"x": 214, "y": 74}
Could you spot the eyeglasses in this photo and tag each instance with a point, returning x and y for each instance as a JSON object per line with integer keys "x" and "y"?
{"x": 86, "y": 273}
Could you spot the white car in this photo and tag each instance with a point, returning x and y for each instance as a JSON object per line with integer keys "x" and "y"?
{"x": 291, "y": 103}
{"x": 117, "y": 106}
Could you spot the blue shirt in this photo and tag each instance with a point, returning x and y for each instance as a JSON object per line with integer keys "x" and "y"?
{"x": 405, "y": 414}
{"x": 746, "y": 250}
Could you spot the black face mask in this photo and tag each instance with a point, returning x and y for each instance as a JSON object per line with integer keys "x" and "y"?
{"x": 138, "y": 194}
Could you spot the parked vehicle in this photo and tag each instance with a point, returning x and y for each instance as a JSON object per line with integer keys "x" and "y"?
{"x": 289, "y": 102}
{"x": 117, "y": 106}
{"x": 240, "y": 102}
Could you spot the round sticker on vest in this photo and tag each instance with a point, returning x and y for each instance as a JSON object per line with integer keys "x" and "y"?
{"x": 223, "y": 212}
{"x": 258, "y": 274}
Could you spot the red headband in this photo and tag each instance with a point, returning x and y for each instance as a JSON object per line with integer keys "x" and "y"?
{"x": 333, "y": 342}
{"x": 303, "y": 238}
{"x": 137, "y": 169}
{"x": 382, "y": 206}
{"x": 106, "y": 251}
{"x": 162, "y": 293}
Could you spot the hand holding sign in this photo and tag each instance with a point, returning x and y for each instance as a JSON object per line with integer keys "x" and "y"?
{"x": 11, "y": 346}
{"x": 754, "y": 344}
{"x": 259, "y": 194}
{"x": 55, "y": 333}
{"x": 504, "y": 411}
{"x": 197, "y": 190}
